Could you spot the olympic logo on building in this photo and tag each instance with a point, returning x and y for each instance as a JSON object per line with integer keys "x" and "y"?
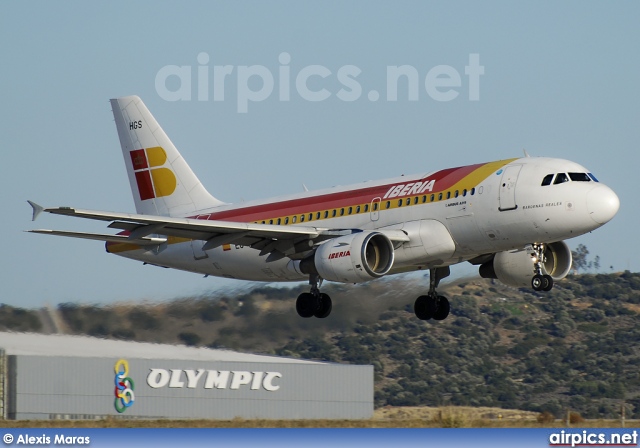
{"x": 124, "y": 387}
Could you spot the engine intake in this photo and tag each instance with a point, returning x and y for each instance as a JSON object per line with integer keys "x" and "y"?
{"x": 517, "y": 268}
{"x": 354, "y": 258}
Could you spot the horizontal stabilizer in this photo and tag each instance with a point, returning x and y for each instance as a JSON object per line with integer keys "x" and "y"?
{"x": 102, "y": 237}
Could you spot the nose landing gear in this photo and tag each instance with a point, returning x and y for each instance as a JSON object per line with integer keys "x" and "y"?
{"x": 540, "y": 281}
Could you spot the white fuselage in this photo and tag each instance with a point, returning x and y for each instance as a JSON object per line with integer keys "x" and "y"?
{"x": 484, "y": 209}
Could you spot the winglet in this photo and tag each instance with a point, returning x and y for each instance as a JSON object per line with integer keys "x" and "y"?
{"x": 37, "y": 209}
{"x": 526, "y": 154}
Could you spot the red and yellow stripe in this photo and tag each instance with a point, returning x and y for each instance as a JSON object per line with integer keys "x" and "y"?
{"x": 449, "y": 184}
{"x": 448, "y": 180}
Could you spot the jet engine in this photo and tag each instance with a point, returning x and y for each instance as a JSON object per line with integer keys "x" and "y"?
{"x": 354, "y": 258}
{"x": 517, "y": 268}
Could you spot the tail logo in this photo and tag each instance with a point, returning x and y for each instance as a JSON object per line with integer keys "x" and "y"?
{"x": 153, "y": 182}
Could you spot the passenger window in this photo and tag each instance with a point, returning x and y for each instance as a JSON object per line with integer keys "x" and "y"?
{"x": 408, "y": 201}
{"x": 326, "y": 214}
{"x": 263, "y": 222}
{"x": 388, "y": 204}
{"x": 366, "y": 208}
{"x": 318, "y": 215}
{"x": 271, "y": 221}
{"x": 358, "y": 209}
{"x": 561, "y": 178}
{"x": 440, "y": 197}
{"x": 433, "y": 197}
{"x": 375, "y": 207}
{"x": 424, "y": 199}
{"x": 464, "y": 193}
{"x": 301, "y": 218}
{"x": 399, "y": 202}
{"x": 334, "y": 212}
{"x": 455, "y": 195}
{"x": 547, "y": 180}
{"x": 294, "y": 219}
{"x": 286, "y": 220}
{"x": 473, "y": 191}
{"x": 579, "y": 177}
{"x": 311, "y": 216}
{"x": 350, "y": 210}
{"x": 279, "y": 221}
{"x": 448, "y": 194}
{"x": 341, "y": 211}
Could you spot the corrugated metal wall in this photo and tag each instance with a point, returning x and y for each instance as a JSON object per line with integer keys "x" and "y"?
{"x": 3, "y": 388}
{"x": 59, "y": 387}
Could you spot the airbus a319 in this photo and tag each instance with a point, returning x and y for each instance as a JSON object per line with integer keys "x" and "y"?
{"x": 509, "y": 217}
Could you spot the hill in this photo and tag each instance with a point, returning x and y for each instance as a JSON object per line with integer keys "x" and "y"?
{"x": 576, "y": 347}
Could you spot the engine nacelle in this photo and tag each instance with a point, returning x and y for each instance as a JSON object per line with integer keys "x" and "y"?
{"x": 354, "y": 258}
{"x": 517, "y": 268}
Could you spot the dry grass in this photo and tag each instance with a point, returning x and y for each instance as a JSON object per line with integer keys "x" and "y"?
{"x": 388, "y": 417}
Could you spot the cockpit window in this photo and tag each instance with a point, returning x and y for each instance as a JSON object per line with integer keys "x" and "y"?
{"x": 547, "y": 180}
{"x": 579, "y": 177}
{"x": 593, "y": 177}
{"x": 561, "y": 178}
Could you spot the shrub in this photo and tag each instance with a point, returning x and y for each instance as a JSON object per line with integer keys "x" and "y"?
{"x": 545, "y": 418}
{"x": 189, "y": 339}
{"x": 451, "y": 418}
{"x": 574, "y": 418}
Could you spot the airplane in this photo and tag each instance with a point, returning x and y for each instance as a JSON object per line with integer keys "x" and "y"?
{"x": 509, "y": 217}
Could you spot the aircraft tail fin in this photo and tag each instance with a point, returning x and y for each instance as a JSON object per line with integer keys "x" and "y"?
{"x": 161, "y": 181}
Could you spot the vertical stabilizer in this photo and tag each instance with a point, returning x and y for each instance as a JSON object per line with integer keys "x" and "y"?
{"x": 161, "y": 181}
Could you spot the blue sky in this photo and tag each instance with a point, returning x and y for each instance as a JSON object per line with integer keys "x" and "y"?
{"x": 560, "y": 79}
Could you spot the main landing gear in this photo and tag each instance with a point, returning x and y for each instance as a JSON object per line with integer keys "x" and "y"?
{"x": 433, "y": 306}
{"x": 540, "y": 281}
{"x": 314, "y": 303}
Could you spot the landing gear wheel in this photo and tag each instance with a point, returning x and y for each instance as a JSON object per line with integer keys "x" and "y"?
{"x": 442, "y": 308}
{"x": 307, "y": 304}
{"x": 324, "y": 308}
{"x": 424, "y": 307}
{"x": 540, "y": 281}
{"x": 547, "y": 283}
{"x": 537, "y": 282}
{"x": 433, "y": 306}
{"x": 427, "y": 307}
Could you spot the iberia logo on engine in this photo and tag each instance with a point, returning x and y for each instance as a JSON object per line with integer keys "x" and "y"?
{"x": 153, "y": 182}
{"x": 346, "y": 253}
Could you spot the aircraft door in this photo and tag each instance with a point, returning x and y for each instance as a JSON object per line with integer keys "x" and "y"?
{"x": 507, "y": 195}
{"x": 375, "y": 209}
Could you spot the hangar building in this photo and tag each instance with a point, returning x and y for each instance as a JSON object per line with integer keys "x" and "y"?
{"x": 78, "y": 377}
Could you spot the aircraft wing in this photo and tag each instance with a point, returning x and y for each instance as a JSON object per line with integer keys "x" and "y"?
{"x": 268, "y": 238}
{"x": 102, "y": 237}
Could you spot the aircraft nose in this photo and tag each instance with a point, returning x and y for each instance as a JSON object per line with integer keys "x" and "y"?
{"x": 602, "y": 203}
